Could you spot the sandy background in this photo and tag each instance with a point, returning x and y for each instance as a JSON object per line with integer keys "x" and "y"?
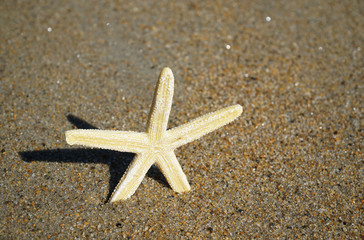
{"x": 290, "y": 167}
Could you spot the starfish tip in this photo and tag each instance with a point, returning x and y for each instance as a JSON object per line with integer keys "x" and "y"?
{"x": 69, "y": 137}
{"x": 239, "y": 109}
{"x": 166, "y": 72}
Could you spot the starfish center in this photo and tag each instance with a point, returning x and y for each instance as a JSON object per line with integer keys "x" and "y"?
{"x": 158, "y": 148}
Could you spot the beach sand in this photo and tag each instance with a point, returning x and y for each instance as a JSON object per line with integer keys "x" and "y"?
{"x": 291, "y": 166}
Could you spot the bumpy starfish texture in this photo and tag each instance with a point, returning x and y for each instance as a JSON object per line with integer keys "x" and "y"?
{"x": 157, "y": 144}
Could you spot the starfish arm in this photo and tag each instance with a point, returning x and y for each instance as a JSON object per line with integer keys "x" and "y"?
{"x": 161, "y": 107}
{"x": 171, "y": 169}
{"x": 133, "y": 176}
{"x": 124, "y": 141}
{"x": 200, "y": 126}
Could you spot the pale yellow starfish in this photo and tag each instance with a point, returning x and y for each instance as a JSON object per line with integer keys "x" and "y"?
{"x": 157, "y": 144}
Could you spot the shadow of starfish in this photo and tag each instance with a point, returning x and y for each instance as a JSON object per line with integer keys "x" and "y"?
{"x": 118, "y": 161}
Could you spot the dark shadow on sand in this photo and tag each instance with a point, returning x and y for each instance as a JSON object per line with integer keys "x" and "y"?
{"x": 118, "y": 161}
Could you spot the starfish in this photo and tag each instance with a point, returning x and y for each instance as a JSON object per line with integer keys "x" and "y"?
{"x": 157, "y": 144}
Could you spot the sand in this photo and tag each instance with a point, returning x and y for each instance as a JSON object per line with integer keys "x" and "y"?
{"x": 290, "y": 167}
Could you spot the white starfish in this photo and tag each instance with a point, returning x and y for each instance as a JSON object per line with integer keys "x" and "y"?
{"x": 157, "y": 144}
